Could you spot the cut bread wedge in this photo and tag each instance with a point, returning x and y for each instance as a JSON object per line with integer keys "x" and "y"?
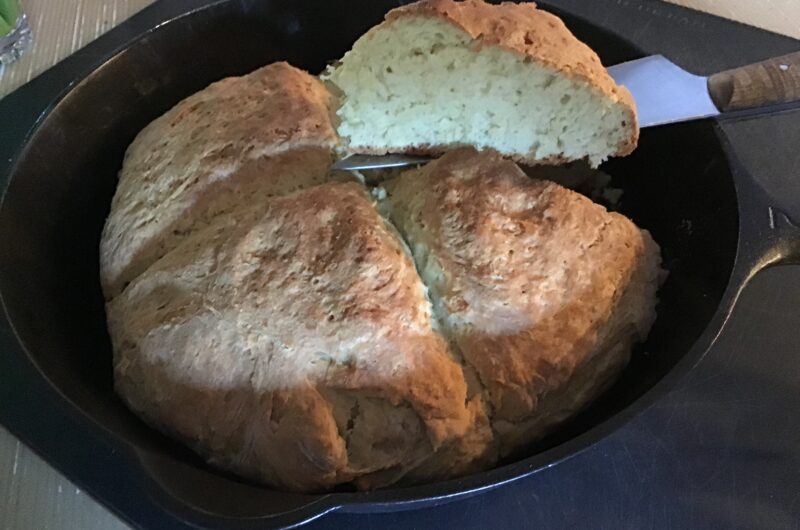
{"x": 541, "y": 291}
{"x": 440, "y": 74}
{"x": 242, "y": 138}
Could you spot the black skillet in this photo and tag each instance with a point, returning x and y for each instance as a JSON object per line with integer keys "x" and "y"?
{"x": 716, "y": 226}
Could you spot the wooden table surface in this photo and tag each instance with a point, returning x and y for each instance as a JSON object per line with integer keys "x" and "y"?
{"x": 34, "y": 496}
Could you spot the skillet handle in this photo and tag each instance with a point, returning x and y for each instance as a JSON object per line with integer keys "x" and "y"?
{"x": 768, "y": 235}
{"x": 769, "y": 82}
{"x": 783, "y": 239}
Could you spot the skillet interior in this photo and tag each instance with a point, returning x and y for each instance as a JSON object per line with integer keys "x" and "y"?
{"x": 677, "y": 185}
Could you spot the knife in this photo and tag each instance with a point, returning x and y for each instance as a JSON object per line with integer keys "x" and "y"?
{"x": 666, "y": 93}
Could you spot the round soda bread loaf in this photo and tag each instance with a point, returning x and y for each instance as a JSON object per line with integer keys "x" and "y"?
{"x": 288, "y": 327}
{"x": 439, "y": 74}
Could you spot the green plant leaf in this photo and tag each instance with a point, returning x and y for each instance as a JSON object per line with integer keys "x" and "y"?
{"x": 4, "y": 27}
{"x": 9, "y": 11}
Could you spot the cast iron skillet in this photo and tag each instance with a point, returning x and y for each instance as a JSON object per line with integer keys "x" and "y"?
{"x": 682, "y": 184}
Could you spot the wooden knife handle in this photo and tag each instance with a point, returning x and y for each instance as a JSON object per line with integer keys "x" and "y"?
{"x": 757, "y": 85}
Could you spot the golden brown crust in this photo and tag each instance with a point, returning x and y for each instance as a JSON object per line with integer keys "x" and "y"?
{"x": 208, "y": 144}
{"x": 527, "y": 276}
{"x": 285, "y": 335}
{"x": 533, "y": 34}
{"x": 291, "y": 342}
